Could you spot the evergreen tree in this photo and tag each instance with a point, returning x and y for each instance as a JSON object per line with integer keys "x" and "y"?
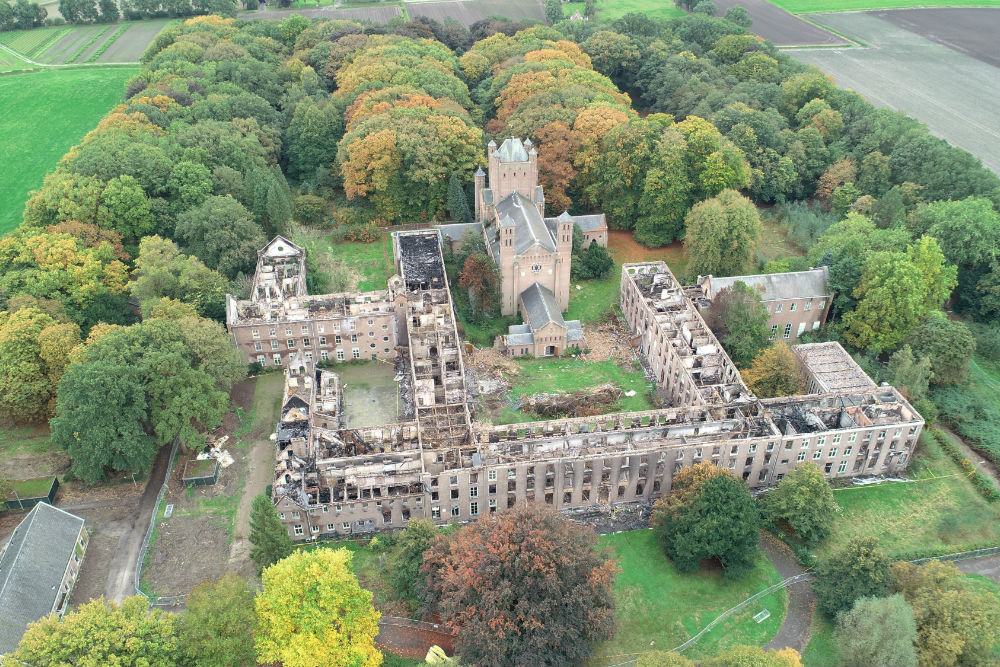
{"x": 861, "y": 569}
{"x": 268, "y": 537}
{"x": 458, "y": 206}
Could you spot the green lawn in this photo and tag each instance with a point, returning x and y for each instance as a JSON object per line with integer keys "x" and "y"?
{"x": 44, "y": 114}
{"x": 370, "y": 265}
{"x": 942, "y": 511}
{"x": 821, "y": 650}
{"x": 615, "y": 9}
{"x": 774, "y": 242}
{"x": 24, "y": 440}
{"x": 658, "y": 608}
{"x": 817, "y": 6}
{"x": 31, "y": 488}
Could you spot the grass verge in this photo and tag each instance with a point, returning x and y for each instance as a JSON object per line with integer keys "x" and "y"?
{"x": 821, "y": 651}
{"x": 940, "y": 512}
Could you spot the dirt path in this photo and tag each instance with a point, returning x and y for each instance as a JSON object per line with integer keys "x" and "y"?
{"x": 983, "y": 465}
{"x": 794, "y": 631}
{"x": 259, "y": 473}
{"x": 988, "y": 566}
{"x": 121, "y": 577}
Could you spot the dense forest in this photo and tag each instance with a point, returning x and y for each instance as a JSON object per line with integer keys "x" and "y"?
{"x": 235, "y": 131}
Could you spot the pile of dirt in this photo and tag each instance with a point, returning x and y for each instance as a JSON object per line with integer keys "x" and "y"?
{"x": 583, "y": 403}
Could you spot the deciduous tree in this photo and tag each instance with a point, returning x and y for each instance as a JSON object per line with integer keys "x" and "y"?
{"x": 222, "y": 234}
{"x": 755, "y": 656}
{"x": 877, "y": 632}
{"x": 722, "y": 235}
{"x": 313, "y": 611}
{"x": 805, "y": 500}
{"x": 99, "y": 633}
{"x": 161, "y": 270}
{"x": 482, "y": 278}
{"x": 739, "y": 319}
{"x": 861, "y": 569}
{"x": 956, "y": 624}
{"x": 406, "y": 556}
{"x": 268, "y": 537}
{"x": 719, "y": 520}
{"x": 522, "y": 587}
{"x": 776, "y": 371}
{"x": 216, "y": 629}
{"x": 948, "y": 344}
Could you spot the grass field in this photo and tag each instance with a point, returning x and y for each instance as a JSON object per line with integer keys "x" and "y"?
{"x": 659, "y": 608}
{"x": 942, "y": 511}
{"x": 815, "y": 6}
{"x": 615, "y": 9}
{"x": 44, "y": 114}
{"x": 369, "y": 264}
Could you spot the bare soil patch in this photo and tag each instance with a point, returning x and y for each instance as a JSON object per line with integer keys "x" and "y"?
{"x": 969, "y": 30}
{"x": 782, "y": 28}
{"x": 468, "y": 12}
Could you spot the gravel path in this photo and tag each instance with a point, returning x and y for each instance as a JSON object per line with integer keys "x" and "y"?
{"x": 794, "y": 630}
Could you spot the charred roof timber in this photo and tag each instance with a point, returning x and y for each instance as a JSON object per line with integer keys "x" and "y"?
{"x": 420, "y": 257}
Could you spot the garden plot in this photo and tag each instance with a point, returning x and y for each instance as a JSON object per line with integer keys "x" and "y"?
{"x": 954, "y": 94}
{"x": 132, "y": 43}
{"x": 468, "y": 12}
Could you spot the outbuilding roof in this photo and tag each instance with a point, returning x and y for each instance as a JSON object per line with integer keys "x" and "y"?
{"x": 32, "y": 569}
{"x": 541, "y": 307}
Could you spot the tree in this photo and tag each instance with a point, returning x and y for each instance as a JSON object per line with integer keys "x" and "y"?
{"x": 458, "y": 207}
{"x": 722, "y": 235}
{"x": 553, "y": 11}
{"x": 908, "y": 373}
{"x": 968, "y": 230}
{"x": 805, "y": 500}
{"x": 720, "y": 520}
{"x": 948, "y": 344}
{"x": 859, "y": 570}
{"x": 311, "y": 138}
{"x": 755, "y": 656}
{"x": 612, "y": 53}
{"x": 99, "y": 416}
{"x": 522, "y": 587}
{"x": 706, "y": 7}
{"x": 739, "y": 16}
{"x": 222, "y": 234}
{"x": 481, "y": 277}
{"x": 109, "y": 11}
{"x": 161, "y": 270}
{"x": 594, "y": 262}
{"x": 268, "y": 537}
{"x": 406, "y": 556}
{"x": 313, "y": 611}
{"x": 99, "y": 633}
{"x": 216, "y": 630}
{"x": 34, "y": 352}
{"x": 739, "y": 319}
{"x": 956, "y": 623}
{"x": 777, "y": 371}
{"x": 879, "y": 632}
{"x": 895, "y": 293}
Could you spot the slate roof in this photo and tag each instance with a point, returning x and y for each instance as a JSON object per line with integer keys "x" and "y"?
{"x": 574, "y": 330}
{"x": 512, "y": 150}
{"x": 586, "y": 223}
{"x": 778, "y": 286}
{"x": 456, "y": 232}
{"x": 519, "y": 334}
{"x": 540, "y": 307}
{"x": 516, "y": 211}
{"x": 32, "y": 569}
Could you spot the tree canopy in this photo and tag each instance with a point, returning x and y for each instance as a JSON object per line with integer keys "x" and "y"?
{"x": 877, "y": 631}
{"x": 805, "y": 500}
{"x": 860, "y": 569}
{"x": 722, "y": 235}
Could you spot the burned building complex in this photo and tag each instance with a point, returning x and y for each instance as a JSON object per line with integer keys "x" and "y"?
{"x": 437, "y": 462}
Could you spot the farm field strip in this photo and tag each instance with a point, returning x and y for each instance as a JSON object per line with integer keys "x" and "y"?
{"x": 111, "y": 43}
{"x": 468, "y": 12}
{"x": 815, "y": 6}
{"x": 133, "y": 42}
{"x": 68, "y": 44}
{"x": 907, "y": 72}
{"x": 380, "y": 14}
{"x": 782, "y": 28}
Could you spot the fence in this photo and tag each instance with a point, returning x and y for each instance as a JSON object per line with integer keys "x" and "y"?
{"x": 156, "y": 600}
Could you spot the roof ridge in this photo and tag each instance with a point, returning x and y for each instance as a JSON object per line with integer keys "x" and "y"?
{"x": 31, "y": 519}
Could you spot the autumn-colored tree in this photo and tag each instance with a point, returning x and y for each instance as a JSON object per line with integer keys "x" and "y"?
{"x": 313, "y": 611}
{"x": 556, "y": 145}
{"x": 837, "y": 174}
{"x": 777, "y": 371}
{"x": 722, "y": 235}
{"x": 34, "y": 352}
{"x": 92, "y": 236}
{"x": 522, "y": 587}
{"x": 481, "y": 277}
{"x": 957, "y": 624}
{"x": 687, "y": 481}
{"x": 99, "y": 633}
